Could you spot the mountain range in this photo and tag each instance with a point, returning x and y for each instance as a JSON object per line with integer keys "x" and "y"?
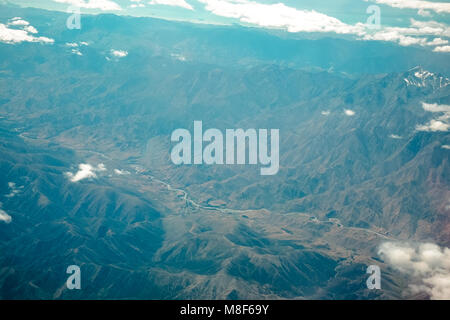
{"x": 364, "y": 159}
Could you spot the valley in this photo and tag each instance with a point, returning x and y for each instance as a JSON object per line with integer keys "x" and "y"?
{"x": 87, "y": 178}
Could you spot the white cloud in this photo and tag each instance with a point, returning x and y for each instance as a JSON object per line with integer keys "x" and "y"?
{"x": 5, "y": 217}
{"x": 349, "y": 112}
{"x": 439, "y": 7}
{"x": 445, "y": 146}
{"x": 18, "y": 22}
{"x": 121, "y": 172}
{"x": 442, "y": 49}
{"x": 434, "y": 126}
{"x": 77, "y": 52}
{"x": 279, "y": 15}
{"x": 392, "y": 35}
{"x": 119, "y": 53}
{"x": 395, "y": 136}
{"x": 434, "y": 107}
{"x": 416, "y": 34}
{"x": 76, "y": 47}
{"x": 30, "y": 29}
{"x": 437, "y": 42}
{"x": 429, "y": 27}
{"x": 325, "y": 113}
{"x": 105, "y": 5}
{"x": 440, "y": 123}
{"x": 85, "y": 171}
{"x": 11, "y": 36}
{"x": 424, "y": 13}
{"x": 174, "y": 3}
{"x": 427, "y": 263}
{"x": 137, "y": 4}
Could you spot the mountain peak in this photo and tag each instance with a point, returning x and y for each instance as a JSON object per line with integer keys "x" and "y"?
{"x": 419, "y": 77}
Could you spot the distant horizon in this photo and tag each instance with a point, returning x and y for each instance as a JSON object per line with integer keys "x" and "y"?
{"x": 289, "y": 154}
{"x": 342, "y": 18}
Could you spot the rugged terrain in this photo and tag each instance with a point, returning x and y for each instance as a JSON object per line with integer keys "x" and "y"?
{"x": 354, "y": 168}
